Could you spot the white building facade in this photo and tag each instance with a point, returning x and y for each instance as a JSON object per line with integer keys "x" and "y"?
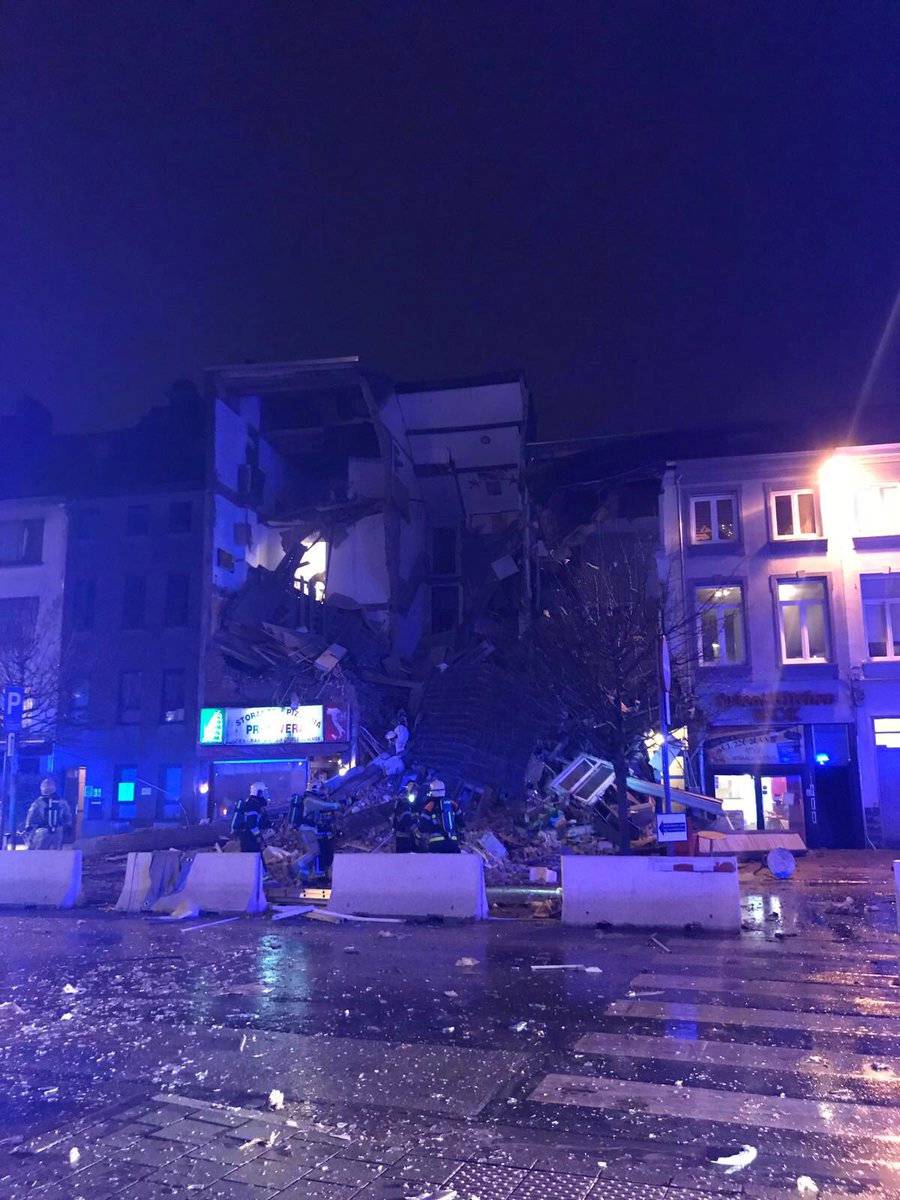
{"x": 786, "y": 567}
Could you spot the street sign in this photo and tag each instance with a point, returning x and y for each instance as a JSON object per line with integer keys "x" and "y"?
{"x": 13, "y": 706}
{"x": 671, "y": 827}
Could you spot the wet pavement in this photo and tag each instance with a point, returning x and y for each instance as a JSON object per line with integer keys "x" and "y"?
{"x": 139, "y": 1058}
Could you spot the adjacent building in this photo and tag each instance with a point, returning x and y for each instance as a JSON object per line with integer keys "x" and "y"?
{"x": 786, "y": 568}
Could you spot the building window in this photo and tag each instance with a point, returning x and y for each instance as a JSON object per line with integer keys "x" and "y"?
{"x": 126, "y": 793}
{"x": 881, "y": 612}
{"x": 803, "y": 620}
{"x": 21, "y": 543}
{"x": 720, "y": 612}
{"x": 444, "y": 608}
{"x": 444, "y": 551}
{"x": 177, "y": 595}
{"x": 134, "y": 602}
{"x": 878, "y": 510}
{"x": 713, "y": 519}
{"x": 130, "y": 685}
{"x": 168, "y": 803}
{"x": 225, "y": 560}
{"x": 181, "y": 513}
{"x": 887, "y": 732}
{"x": 172, "y": 706}
{"x": 795, "y": 515}
{"x": 79, "y": 701}
{"x": 137, "y": 519}
{"x": 18, "y": 626}
{"x": 84, "y": 599}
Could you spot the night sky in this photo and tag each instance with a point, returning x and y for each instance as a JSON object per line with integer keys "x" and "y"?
{"x": 664, "y": 212}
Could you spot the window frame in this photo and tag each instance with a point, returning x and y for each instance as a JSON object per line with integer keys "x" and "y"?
{"x": 169, "y": 673}
{"x": 719, "y": 664}
{"x": 140, "y": 583}
{"x": 885, "y": 604}
{"x": 170, "y": 621}
{"x": 794, "y": 492}
{"x": 118, "y": 774}
{"x": 120, "y": 708}
{"x": 713, "y": 498}
{"x": 780, "y": 605}
{"x": 32, "y": 530}
{"x": 83, "y": 603}
{"x": 881, "y": 486}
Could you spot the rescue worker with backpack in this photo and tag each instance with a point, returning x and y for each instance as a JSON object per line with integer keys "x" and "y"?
{"x": 48, "y": 819}
{"x": 250, "y": 820}
{"x": 405, "y": 817}
{"x": 313, "y": 813}
{"x": 440, "y": 824}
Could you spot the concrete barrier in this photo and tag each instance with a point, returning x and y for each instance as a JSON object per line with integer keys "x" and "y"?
{"x": 409, "y": 885}
{"x": 44, "y": 878}
{"x": 218, "y": 883}
{"x": 149, "y": 875}
{"x": 897, "y": 888}
{"x": 651, "y": 892}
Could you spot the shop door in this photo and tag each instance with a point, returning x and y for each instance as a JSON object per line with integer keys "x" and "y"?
{"x": 837, "y": 810}
{"x": 783, "y": 804}
{"x": 738, "y": 796}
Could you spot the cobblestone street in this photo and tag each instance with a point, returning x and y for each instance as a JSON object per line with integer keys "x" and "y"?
{"x": 144, "y": 1059}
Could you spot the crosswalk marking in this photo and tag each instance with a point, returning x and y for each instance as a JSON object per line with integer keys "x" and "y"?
{"x": 837, "y": 1119}
{"x": 837, "y": 974}
{"x": 883, "y": 1003}
{"x": 740, "y": 1054}
{"x": 763, "y": 1018}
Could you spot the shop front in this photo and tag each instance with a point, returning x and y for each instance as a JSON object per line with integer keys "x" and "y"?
{"x": 280, "y": 747}
{"x": 788, "y": 778}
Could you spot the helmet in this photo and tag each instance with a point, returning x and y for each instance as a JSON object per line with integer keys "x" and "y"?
{"x": 437, "y": 788}
{"x": 48, "y": 787}
{"x": 258, "y": 789}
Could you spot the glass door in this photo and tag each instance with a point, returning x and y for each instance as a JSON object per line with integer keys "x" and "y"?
{"x": 738, "y": 796}
{"x": 782, "y": 804}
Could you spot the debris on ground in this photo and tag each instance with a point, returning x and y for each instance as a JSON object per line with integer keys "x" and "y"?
{"x": 654, "y": 941}
{"x": 733, "y": 1160}
{"x": 276, "y": 1099}
{"x": 74, "y": 1156}
{"x": 807, "y": 1186}
{"x": 467, "y": 962}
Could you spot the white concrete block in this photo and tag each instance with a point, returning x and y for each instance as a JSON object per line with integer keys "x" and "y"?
{"x": 897, "y": 888}
{"x": 149, "y": 875}
{"x": 45, "y": 878}
{"x": 409, "y": 885}
{"x": 219, "y": 883}
{"x": 651, "y": 892}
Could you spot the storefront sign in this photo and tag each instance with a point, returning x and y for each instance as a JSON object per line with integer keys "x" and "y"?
{"x": 271, "y": 726}
{"x": 774, "y": 705}
{"x": 756, "y": 747}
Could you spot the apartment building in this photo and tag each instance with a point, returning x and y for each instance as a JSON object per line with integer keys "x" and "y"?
{"x": 786, "y": 567}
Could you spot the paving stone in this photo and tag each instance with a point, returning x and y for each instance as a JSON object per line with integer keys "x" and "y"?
{"x": 376, "y": 1152}
{"x": 192, "y": 1133}
{"x": 297, "y": 1151}
{"x": 162, "y": 1115}
{"x": 233, "y": 1189}
{"x": 223, "y": 1150}
{"x": 425, "y": 1167}
{"x": 217, "y": 1116}
{"x": 192, "y": 1172}
{"x": 486, "y": 1182}
{"x": 153, "y": 1152}
{"x": 263, "y": 1172}
{"x": 346, "y": 1171}
{"x": 512, "y": 1155}
{"x": 573, "y": 1162}
{"x": 625, "y": 1189}
{"x": 544, "y": 1185}
{"x": 312, "y": 1190}
{"x": 251, "y": 1129}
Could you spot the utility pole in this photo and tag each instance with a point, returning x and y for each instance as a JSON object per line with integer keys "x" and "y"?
{"x": 665, "y": 718}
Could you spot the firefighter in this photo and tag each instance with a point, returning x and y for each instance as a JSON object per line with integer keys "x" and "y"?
{"x": 441, "y": 821}
{"x": 316, "y": 815}
{"x": 48, "y": 819}
{"x": 250, "y": 820}
{"x": 405, "y": 818}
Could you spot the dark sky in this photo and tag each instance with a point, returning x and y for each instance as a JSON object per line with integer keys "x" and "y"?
{"x": 661, "y": 212}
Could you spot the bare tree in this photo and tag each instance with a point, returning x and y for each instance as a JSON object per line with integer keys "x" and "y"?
{"x": 596, "y": 646}
{"x": 30, "y": 658}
